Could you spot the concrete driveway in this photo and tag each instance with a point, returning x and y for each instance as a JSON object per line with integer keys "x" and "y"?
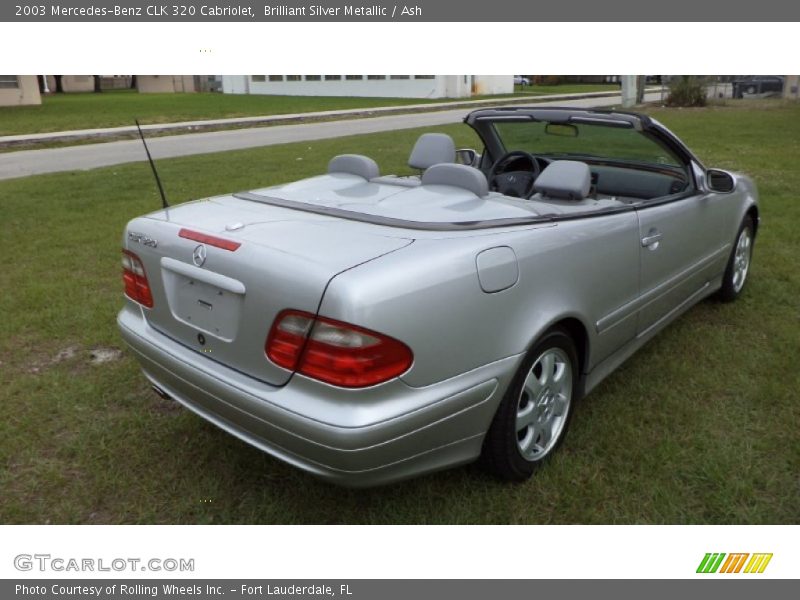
{"x": 91, "y": 156}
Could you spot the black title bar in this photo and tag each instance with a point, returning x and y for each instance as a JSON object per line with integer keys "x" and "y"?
{"x": 417, "y": 11}
{"x": 377, "y": 589}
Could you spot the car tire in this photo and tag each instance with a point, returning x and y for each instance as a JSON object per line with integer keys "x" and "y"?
{"x": 536, "y": 410}
{"x": 738, "y": 268}
{"x": 751, "y": 89}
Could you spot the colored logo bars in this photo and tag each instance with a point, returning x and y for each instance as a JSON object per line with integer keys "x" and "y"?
{"x": 733, "y": 563}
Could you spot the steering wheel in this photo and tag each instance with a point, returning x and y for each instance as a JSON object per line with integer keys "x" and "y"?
{"x": 518, "y": 183}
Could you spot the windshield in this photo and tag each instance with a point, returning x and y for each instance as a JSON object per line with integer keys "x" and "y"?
{"x": 585, "y": 140}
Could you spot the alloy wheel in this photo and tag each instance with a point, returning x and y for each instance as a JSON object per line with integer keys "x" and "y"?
{"x": 543, "y": 404}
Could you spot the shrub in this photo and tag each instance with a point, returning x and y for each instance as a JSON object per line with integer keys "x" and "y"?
{"x": 687, "y": 90}
{"x": 552, "y": 80}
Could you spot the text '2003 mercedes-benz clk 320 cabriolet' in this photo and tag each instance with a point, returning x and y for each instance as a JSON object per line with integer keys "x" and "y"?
{"x": 369, "y": 328}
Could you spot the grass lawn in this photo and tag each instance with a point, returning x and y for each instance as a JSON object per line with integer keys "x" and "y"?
{"x": 565, "y": 88}
{"x": 65, "y": 112}
{"x": 699, "y": 427}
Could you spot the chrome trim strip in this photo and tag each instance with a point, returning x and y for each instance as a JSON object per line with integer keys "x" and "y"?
{"x": 617, "y": 316}
{"x": 221, "y": 281}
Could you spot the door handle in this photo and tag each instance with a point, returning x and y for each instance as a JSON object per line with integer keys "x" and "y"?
{"x": 651, "y": 239}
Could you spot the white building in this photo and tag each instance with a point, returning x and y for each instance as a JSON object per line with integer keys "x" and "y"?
{"x": 395, "y": 86}
{"x": 17, "y": 90}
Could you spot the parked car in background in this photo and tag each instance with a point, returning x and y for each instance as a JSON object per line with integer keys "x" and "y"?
{"x": 521, "y": 80}
{"x": 368, "y": 328}
{"x": 757, "y": 84}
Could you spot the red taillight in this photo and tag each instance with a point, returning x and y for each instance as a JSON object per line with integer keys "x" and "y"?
{"x": 136, "y": 286}
{"x": 209, "y": 240}
{"x": 335, "y": 352}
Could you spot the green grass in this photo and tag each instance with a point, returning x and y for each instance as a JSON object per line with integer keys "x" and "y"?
{"x": 65, "y": 112}
{"x": 699, "y": 427}
{"x": 565, "y": 88}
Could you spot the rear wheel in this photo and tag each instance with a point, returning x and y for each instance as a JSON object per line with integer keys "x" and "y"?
{"x": 534, "y": 415}
{"x": 739, "y": 262}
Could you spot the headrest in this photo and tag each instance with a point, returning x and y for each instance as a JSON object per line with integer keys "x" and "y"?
{"x": 354, "y": 164}
{"x": 461, "y": 176}
{"x": 565, "y": 180}
{"x": 432, "y": 149}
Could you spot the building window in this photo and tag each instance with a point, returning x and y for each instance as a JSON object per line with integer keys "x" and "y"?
{"x": 333, "y": 77}
{"x": 275, "y": 77}
{"x": 293, "y": 78}
{"x": 313, "y": 77}
{"x": 376, "y": 77}
{"x": 258, "y": 78}
{"x": 9, "y": 81}
{"x": 399, "y": 76}
{"x": 424, "y": 76}
{"x": 354, "y": 77}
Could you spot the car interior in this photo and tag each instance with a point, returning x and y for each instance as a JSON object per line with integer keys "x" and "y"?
{"x": 430, "y": 149}
{"x": 545, "y": 184}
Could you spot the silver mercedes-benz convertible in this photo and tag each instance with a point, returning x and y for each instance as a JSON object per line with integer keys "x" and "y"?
{"x": 368, "y": 328}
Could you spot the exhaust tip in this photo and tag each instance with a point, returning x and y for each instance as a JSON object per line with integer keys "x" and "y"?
{"x": 161, "y": 392}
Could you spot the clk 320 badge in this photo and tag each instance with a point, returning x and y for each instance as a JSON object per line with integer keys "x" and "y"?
{"x": 141, "y": 238}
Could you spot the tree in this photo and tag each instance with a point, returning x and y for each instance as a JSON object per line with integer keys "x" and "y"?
{"x": 641, "y": 82}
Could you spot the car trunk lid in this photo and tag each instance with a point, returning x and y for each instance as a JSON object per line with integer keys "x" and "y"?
{"x": 220, "y": 271}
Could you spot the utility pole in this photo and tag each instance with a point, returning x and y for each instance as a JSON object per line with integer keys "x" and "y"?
{"x": 628, "y": 90}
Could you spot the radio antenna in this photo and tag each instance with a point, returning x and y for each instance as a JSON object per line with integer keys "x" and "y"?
{"x": 152, "y": 166}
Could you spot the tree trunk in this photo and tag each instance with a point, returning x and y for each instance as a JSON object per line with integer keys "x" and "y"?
{"x": 59, "y": 87}
{"x": 98, "y": 81}
{"x": 641, "y": 81}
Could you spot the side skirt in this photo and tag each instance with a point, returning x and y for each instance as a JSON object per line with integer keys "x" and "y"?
{"x": 610, "y": 364}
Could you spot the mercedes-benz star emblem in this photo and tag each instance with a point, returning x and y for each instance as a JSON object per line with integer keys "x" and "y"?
{"x": 199, "y": 255}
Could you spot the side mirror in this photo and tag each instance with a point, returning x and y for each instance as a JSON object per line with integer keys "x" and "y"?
{"x": 720, "y": 181}
{"x": 466, "y": 156}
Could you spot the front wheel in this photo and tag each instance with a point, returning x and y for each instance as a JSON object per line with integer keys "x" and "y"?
{"x": 739, "y": 262}
{"x": 534, "y": 415}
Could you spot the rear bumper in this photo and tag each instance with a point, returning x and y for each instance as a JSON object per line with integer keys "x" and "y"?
{"x": 355, "y": 438}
